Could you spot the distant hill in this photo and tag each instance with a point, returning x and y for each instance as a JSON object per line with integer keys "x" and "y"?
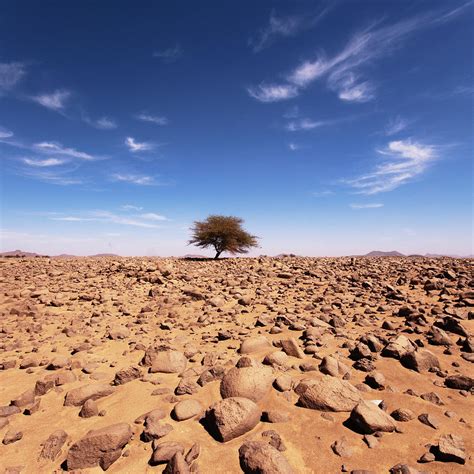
{"x": 19, "y": 254}
{"x": 379, "y": 253}
{"x": 105, "y": 255}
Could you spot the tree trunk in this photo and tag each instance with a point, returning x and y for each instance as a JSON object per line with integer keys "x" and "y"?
{"x": 217, "y": 255}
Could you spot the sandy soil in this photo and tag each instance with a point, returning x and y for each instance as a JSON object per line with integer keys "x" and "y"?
{"x": 93, "y": 317}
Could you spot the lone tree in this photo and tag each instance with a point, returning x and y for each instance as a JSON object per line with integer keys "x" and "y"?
{"x": 224, "y": 233}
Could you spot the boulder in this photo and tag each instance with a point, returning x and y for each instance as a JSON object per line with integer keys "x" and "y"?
{"x": 420, "y": 361}
{"x": 52, "y": 446}
{"x": 369, "y": 418}
{"x": 254, "y": 344}
{"x": 78, "y": 396}
{"x": 451, "y": 449}
{"x": 262, "y": 458}
{"x": 291, "y": 348}
{"x": 398, "y": 347}
{"x": 169, "y": 362}
{"x": 127, "y": 375}
{"x": 248, "y": 382}
{"x": 164, "y": 452}
{"x": 100, "y": 447}
{"x": 187, "y": 409}
{"x": 328, "y": 394}
{"x": 333, "y": 367}
{"x": 232, "y": 417}
{"x": 459, "y": 382}
{"x": 89, "y": 409}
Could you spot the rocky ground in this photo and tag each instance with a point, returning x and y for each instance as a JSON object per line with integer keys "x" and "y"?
{"x": 269, "y": 365}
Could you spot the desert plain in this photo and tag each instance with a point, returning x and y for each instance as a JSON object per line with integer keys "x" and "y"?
{"x": 258, "y": 365}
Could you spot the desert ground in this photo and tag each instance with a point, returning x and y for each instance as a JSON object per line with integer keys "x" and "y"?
{"x": 258, "y": 365}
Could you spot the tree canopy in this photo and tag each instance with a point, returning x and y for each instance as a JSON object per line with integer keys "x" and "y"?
{"x": 224, "y": 233}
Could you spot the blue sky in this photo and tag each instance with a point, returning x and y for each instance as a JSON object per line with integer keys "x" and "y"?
{"x": 332, "y": 128}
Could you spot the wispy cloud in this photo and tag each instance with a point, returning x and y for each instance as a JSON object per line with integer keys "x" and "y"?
{"x": 293, "y": 146}
{"x": 156, "y": 119}
{"x": 366, "y": 206}
{"x": 135, "y": 146}
{"x": 343, "y": 70}
{"x": 54, "y": 101}
{"x": 169, "y": 55}
{"x": 134, "y": 179}
{"x": 306, "y": 124}
{"x": 151, "y": 216}
{"x": 395, "y": 126}
{"x": 131, "y": 207}
{"x": 273, "y": 92}
{"x": 52, "y": 177}
{"x": 102, "y": 123}
{"x": 58, "y": 149}
{"x": 324, "y": 193}
{"x": 43, "y": 163}
{"x": 285, "y": 26}
{"x": 4, "y": 133}
{"x": 110, "y": 217}
{"x": 10, "y": 75}
{"x": 403, "y": 160}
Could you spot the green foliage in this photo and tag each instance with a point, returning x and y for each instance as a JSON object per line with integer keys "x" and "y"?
{"x": 224, "y": 233}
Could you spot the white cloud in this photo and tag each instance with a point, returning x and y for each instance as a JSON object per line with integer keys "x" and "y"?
{"x": 58, "y": 149}
{"x": 403, "y": 161}
{"x": 43, "y": 163}
{"x": 351, "y": 91}
{"x": 137, "y": 147}
{"x": 293, "y": 146}
{"x": 102, "y": 123}
{"x": 152, "y": 216}
{"x": 309, "y": 71}
{"x": 156, "y": 119}
{"x": 131, "y": 207}
{"x": 305, "y": 124}
{"x": 366, "y": 206}
{"x": 395, "y": 126}
{"x": 72, "y": 219}
{"x": 54, "y": 101}
{"x": 169, "y": 55}
{"x": 105, "y": 216}
{"x": 134, "y": 179}
{"x": 283, "y": 27}
{"x": 273, "y": 92}
{"x": 4, "y": 133}
{"x": 343, "y": 69}
{"x": 51, "y": 177}
{"x": 10, "y": 75}
{"x": 324, "y": 193}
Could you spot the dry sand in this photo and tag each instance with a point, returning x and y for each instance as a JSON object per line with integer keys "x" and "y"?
{"x": 93, "y": 317}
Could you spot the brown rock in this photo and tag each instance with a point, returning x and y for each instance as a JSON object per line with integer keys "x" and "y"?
{"x": 99, "y": 447}
{"x": 329, "y": 394}
{"x": 369, "y": 418}
{"x": 232, "y": 417}
{"x": 254, "y": 344}
{"x": 164, "y": 452}
{"x": 451, "y": 449}
{"x": 169, "y": 362}
{"x": 127, "y": 375}
{"x": 78, "y": 396}
{"x": 420, "y": 361}
{"x": 253, "y": 383}
{"x": 89, "y": 409}
{"x": 260, "y": 457}
{"x": 52, "y": 446}
{"x": 187, "y": 409}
